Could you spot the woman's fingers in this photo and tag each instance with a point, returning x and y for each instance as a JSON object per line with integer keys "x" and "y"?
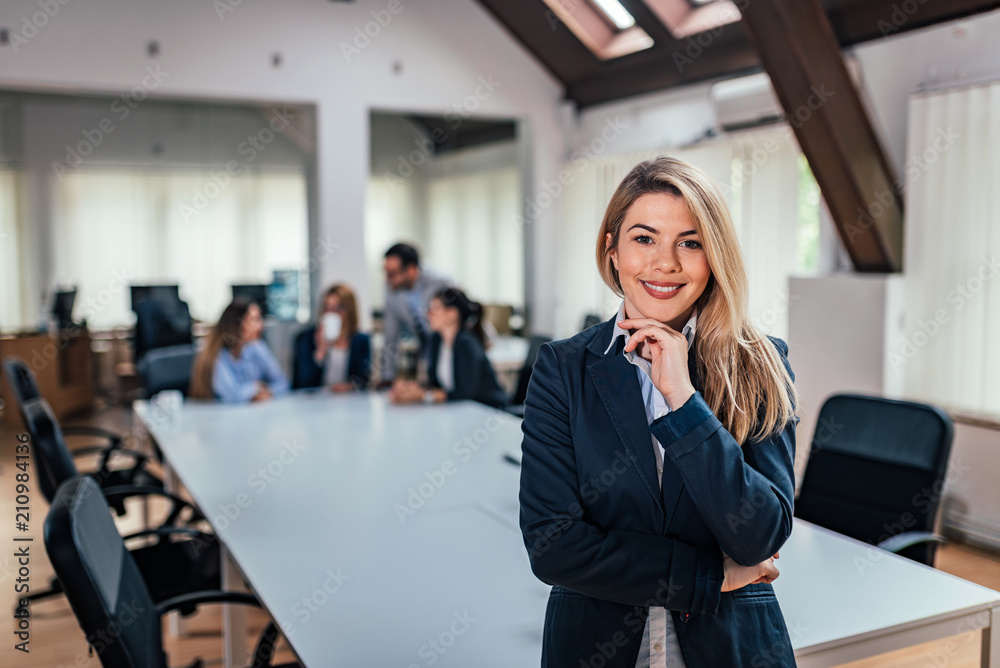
{"x": 648, "y": 333}
{"x": 636, "y": 323}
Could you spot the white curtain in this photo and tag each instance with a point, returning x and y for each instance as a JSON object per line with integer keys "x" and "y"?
{"x": 11, "y": 308}
{"x": 758, "y": 173}
{"x": 116, "y": 227}
{"x": 950, "y": 351}
{"x": 472, "y": 237}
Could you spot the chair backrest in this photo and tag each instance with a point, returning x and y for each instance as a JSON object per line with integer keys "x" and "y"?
{"x": 524, "y": 377}
{"x": 167, "y": 368}
{"x": 102, "y": 583}
{"x": 160, "y": 324}
{"x": 591, "y": 319}
{"x": 52, "y": 455}
{"x": 22, "y": 381}
{"x": 877, "y": 469}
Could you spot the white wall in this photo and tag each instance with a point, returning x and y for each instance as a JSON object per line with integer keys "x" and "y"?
{"x": 840, "y": 327}
{"x": 428, "y": 57}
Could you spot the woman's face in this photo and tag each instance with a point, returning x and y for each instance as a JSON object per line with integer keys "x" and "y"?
{"x": 331, "y": 304}
{"x": 660, "y": 260}
{"x": 440, "y": 317}
{"x": 252, "y": 325}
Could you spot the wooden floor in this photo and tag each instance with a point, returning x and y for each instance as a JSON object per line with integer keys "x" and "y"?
{"x": 57, "y": 641}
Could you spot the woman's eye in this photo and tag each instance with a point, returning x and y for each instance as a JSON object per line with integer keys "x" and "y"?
{"x": 643, "y": 239}
{"x": 694, "y": 244}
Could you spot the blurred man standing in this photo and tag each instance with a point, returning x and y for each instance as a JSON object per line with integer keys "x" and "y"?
{"x": 410, "y": 291}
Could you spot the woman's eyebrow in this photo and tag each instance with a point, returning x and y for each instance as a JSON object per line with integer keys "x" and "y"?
{"x": 689, "y": 232}
{"x": 645, "y": 227}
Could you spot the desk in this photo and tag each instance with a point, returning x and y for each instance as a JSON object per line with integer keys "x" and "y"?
{"x": 62, "y": 366}
{"x": 375, "y": 534}
{"x": 358, "y": 525}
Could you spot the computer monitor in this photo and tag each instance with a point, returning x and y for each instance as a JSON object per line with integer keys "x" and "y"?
{"x": 62, "y": 307}
{"x": 283, "y": 294}
{"x": 160, "y": 293}
{"x": 257, "y": 293}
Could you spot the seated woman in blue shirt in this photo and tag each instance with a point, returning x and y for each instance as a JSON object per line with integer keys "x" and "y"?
{"x": 457, "y": 366}
{"x": 333, "y": 353}
{"x": 236, "y": 366}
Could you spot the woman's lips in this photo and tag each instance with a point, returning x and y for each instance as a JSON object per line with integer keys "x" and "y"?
{"x": 661, "y": 292}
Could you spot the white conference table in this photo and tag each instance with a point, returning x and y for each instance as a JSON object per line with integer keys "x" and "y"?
{"x": 312, "y": 494}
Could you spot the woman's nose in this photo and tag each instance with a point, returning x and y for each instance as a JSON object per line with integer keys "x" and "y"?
{"x": 666, "y": 260}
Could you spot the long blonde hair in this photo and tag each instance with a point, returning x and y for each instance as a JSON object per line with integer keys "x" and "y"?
{"x": 744, "y": 380}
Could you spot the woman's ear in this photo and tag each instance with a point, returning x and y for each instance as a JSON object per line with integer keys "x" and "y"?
{"x": 612, "y": 252}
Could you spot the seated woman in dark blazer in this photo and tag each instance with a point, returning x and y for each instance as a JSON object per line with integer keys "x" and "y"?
{"x": 656, "y": 475}
{"x": 333, "y": 353}
{"x": 457, "y": 366}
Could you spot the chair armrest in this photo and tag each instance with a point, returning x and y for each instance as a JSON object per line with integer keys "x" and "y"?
{"x": 907, "y": 539}
{"x": 164, "y": 531}
{"x": 200, "y": 597}
{"x": 87, "y": 430}
{"x": 264, "y": 651}
{"x": 146, "y": 490}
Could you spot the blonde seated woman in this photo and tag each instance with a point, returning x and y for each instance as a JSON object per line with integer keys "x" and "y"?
{"x": 656, "y": 475}
{"x": 236, "y": 366}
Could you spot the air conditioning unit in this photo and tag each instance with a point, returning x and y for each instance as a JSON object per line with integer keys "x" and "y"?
{"x": 745, "y": 102}
{"x": 749, "y": 101}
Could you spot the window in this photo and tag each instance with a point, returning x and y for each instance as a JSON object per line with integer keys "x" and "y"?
{"x": 616, "y": 13}
{"x": 11, "y": 311}
{"x": 808, "y": 229}
{"x": 116, "y": 227}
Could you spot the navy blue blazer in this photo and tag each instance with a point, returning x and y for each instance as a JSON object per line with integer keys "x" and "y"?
{"x": 475, "y": 378}
{"x": 599, "y": 529}
{"x": 305, "y": 371}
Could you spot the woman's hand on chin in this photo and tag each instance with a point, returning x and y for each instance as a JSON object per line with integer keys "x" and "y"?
{"x": 668, "y": 355}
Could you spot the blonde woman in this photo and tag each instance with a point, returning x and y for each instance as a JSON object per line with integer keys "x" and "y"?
{"x": 656, "y": 480}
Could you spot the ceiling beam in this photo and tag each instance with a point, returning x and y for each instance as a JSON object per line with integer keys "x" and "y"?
{"x": 799, "y": 51}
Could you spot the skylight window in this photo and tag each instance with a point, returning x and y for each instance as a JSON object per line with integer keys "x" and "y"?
{"x": 616, "y": 13}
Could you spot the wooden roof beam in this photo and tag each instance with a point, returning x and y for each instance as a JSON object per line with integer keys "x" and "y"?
{"x": 799, "y": 51}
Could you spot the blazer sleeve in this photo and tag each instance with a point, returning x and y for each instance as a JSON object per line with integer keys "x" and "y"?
{"x": 744, "y": 494}
{"x": 361, "y": 360}
{"x": 467, "y": 369}
{"x": 566, "y": 549}
{"x": 305, "y": 371}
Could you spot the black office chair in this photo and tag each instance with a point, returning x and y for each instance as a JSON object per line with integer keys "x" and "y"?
{"x": 876, "y": 472}
{"x": 161, "y": 324}
{"x": 25, "y": 388}
{"x": 55, "y": 461}
{"x": 171, "y": 567}
{"x": 106, "y": 589}
{"x": 516, "y": 406}
{"x": 591, "y": 319}
{"x": 167, "y": 368}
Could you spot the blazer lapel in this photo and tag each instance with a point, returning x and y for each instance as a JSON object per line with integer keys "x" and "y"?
{"x": 618, "y": 387}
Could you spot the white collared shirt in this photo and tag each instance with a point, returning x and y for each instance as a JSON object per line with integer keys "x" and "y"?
{"x": 659, "y": 647}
